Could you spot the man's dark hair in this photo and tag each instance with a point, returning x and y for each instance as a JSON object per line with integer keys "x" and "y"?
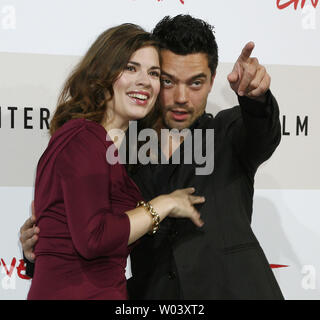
{"x": 184, "y": 35}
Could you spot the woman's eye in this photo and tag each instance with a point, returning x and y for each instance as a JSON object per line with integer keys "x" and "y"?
{"x": 130, "y": 68}
{"x": 155, "y": 74}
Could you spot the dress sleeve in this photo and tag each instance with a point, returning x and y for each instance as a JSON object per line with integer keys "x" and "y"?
{"x": 85, "y": 180}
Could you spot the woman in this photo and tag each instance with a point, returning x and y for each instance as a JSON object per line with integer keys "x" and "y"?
{"x": 86, "y": 207}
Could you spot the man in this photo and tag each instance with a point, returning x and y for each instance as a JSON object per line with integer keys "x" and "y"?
{"x": 223, "y": 259}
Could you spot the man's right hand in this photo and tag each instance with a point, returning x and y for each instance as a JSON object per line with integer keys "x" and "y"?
{"x": 29, "y": 236}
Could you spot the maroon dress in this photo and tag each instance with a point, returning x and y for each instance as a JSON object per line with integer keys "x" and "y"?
{"x": 80, "y": 204}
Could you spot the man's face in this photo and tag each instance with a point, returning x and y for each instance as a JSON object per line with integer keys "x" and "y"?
{"x": 186, "y": 81}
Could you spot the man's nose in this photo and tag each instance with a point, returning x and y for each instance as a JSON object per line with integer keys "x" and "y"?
{"x": 181, "y": 95}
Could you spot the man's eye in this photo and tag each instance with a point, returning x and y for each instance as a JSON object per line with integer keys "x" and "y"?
{"x": 166, "y": 82}
{"x": 196, "y": 83}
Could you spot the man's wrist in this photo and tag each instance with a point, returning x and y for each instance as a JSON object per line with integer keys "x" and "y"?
{"x": 257, "y": 107}
{"x": 262, "y": 98}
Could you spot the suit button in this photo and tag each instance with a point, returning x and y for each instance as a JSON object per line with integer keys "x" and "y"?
{"x": 172, "y": 275}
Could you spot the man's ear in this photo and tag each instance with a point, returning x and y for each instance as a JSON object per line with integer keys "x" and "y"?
{"x": 212, "y": 79}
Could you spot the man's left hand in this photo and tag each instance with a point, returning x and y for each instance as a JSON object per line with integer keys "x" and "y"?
{"x": 248, "y": 77}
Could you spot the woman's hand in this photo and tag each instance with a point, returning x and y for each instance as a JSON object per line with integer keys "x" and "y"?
{"x": 183, "y": 205}
{"x": 178, "y": 204}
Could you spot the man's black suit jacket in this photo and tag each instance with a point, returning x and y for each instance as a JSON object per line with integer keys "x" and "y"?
{"x": 223, "y": 259}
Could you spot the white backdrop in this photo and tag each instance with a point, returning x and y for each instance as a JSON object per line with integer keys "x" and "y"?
{"x": 41, "y": 40}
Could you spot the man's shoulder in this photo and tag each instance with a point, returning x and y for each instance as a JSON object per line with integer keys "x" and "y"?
{"x": 221, "y": 120}
{"x": 229, "y": 114}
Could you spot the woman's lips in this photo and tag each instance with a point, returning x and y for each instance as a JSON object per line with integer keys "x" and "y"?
{"x": 139, "y": 97}
{"x": 139, "y": 102}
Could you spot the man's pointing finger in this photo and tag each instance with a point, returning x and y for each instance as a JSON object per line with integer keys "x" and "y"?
{"x": 246, "y": 51}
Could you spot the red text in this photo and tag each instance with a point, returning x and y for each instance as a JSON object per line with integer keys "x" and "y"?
{"x": 282, "y": 5}
{"x": 20, "y": 268}
{"x": 182, "y": 1}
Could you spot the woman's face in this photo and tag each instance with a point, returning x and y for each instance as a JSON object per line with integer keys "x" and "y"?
{"x": 137, "y": 88}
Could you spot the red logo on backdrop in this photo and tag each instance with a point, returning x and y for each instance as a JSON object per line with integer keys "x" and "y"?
{"x": 182, "y": 1}
{"x": 20, "y": 268}
{"x": 277, "y": 266}
{"x": 281, "y": 4}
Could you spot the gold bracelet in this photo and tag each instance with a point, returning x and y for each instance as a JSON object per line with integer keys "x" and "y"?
{"x": 155, "y": 216}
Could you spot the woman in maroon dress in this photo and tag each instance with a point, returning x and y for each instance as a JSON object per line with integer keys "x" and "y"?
{"x": 86, "y": 207}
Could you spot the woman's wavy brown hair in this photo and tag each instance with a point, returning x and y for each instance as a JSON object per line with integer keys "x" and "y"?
{"x": 84, "y": 93}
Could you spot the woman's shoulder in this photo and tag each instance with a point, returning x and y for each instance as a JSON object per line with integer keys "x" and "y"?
{"x": 80, "y": 132}
{"x": 82, "y": 129}
{"x": 76, "y": 139}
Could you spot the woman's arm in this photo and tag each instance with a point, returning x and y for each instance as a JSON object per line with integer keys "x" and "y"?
{"x": 178, "y": 204}
{"x": 86, "y": 183}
